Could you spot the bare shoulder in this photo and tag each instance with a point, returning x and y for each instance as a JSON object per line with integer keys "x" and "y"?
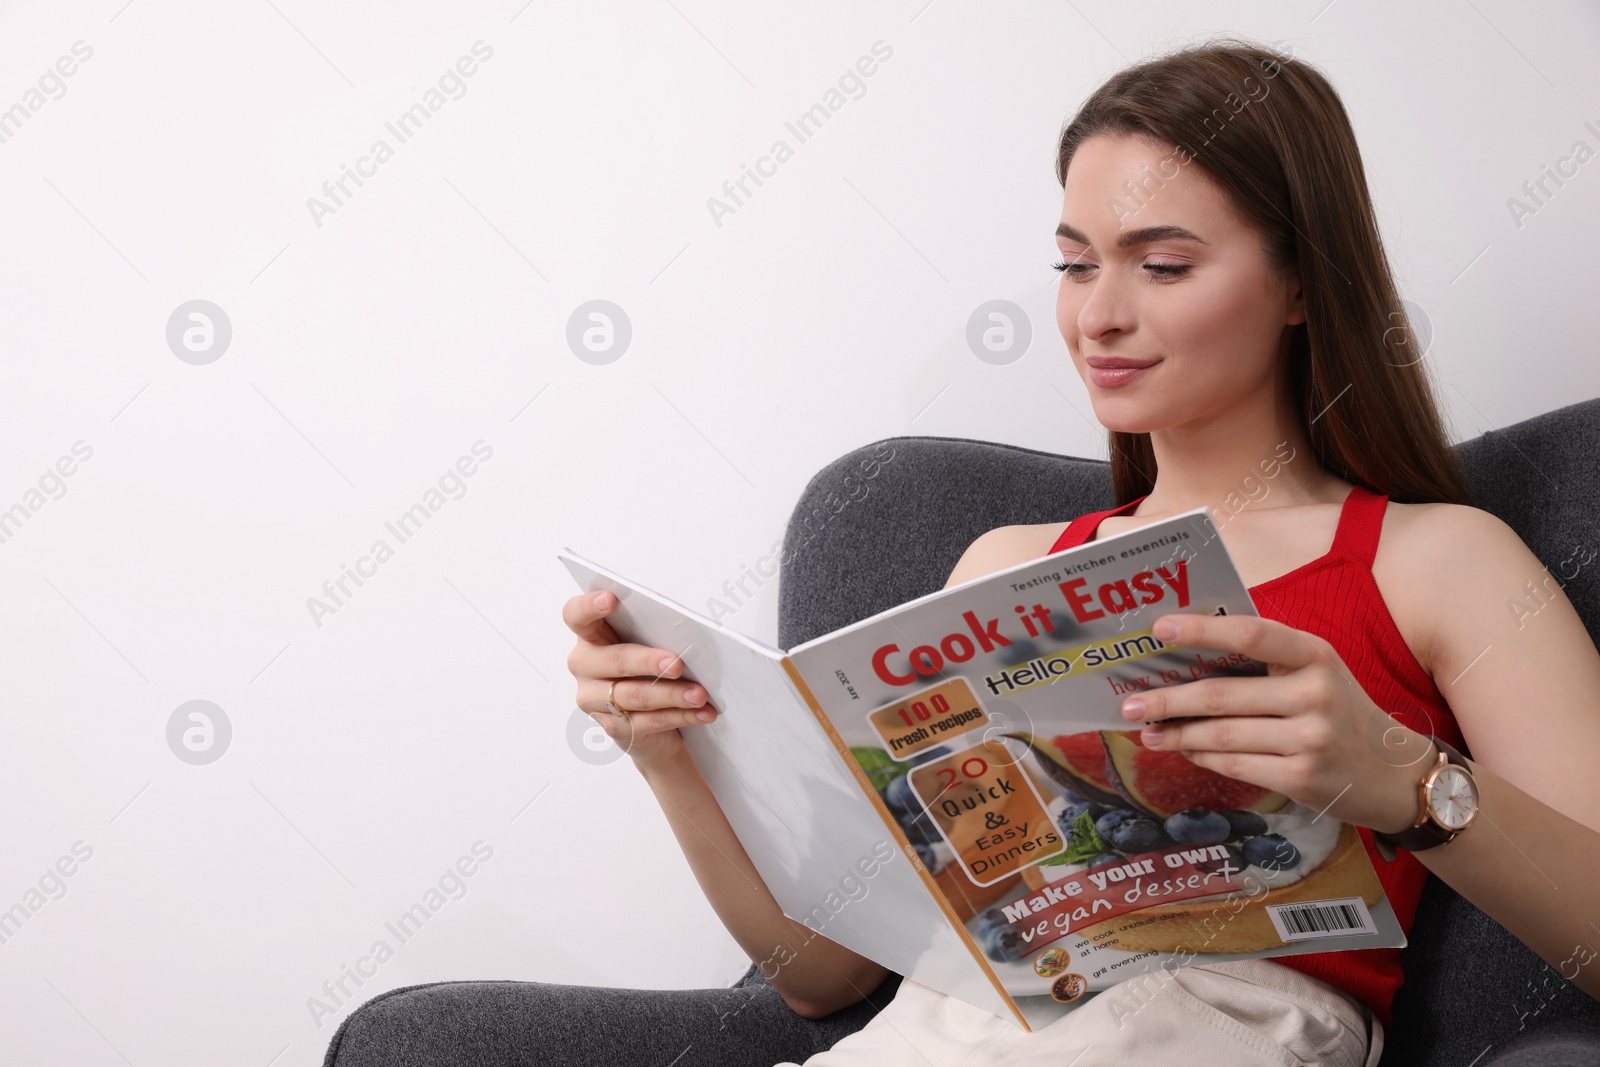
{"x": 1420, "y": 522}
{"x": 1439, "y": 564}
{"x": 1002, "y": 547}
{"x": 1506, "y": 646}
{"x": 1455, "y": 540}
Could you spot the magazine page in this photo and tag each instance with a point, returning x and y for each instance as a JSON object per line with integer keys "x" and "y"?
{"x": 989, "y": 714}
{"x": 810, "y": 823}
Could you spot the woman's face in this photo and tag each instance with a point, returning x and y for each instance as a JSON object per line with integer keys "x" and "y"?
{"x": 1189, "y": 293}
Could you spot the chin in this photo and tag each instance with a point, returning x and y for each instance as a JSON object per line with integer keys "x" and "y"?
{"x": 1124, "y": 415}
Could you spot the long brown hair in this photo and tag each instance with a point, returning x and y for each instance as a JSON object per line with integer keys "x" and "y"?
{"x": 1272, "y": 133}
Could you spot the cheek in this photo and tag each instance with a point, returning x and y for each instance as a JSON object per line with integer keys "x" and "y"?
{"x": 1214, "y": 327}
{"x": 1067, "y": 313}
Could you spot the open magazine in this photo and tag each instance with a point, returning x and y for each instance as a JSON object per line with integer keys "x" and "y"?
{"x": 949, "y": 788}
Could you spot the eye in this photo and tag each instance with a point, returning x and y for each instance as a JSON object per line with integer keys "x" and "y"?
{"x": 1076, "y": 269}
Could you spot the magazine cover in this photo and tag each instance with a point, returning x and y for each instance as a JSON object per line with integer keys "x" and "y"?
{"x": 988, "y": 720}
{"x": 977, "y": 733}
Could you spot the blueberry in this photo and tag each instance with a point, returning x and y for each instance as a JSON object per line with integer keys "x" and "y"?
{"x": 929, "y": 754}
{"x": 920, "y": 828}
{"x": 900, "y": 798}
{"x": 926, "y": 854}
{"x": 1020, "y": 651}
{"x": 988, "y": 917}
{"x": 1198, "y": 826}
{"x": 1105, "y": 858}
{"x": 1110, "y": 820}
{"x": 1242, "y": 823}
{"x": 1004, "y": 945}
{"x": 1069, "y": 815}
{"x": 1271, "y": 852}
{"x": 1137, "y": 835}
{"x": 1074, "y": 802}
{"x": 1062, "y": 627}
{"x": 1079, "y": 802}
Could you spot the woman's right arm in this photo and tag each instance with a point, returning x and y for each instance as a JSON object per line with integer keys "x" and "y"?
{"x": 815, "y": 976}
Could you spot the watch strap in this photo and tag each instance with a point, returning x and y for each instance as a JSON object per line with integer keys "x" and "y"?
{"x": 1426, "y": 834}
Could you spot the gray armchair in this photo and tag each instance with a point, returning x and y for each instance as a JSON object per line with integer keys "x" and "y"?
{"x": 1474, "y": 994}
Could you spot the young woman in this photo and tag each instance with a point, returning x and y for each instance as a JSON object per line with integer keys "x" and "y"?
{"x": 1227, "y": 301}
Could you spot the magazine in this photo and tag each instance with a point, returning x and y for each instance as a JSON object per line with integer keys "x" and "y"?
{"x": 949, "y": 788}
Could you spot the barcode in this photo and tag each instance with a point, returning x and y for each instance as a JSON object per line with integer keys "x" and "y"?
{"x": 1321, "y": 918}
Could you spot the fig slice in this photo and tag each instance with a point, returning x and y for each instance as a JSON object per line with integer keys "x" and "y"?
{"x": 1076, "y": 763}
{"x": 1164, "y": 783}
{"x": 1129, "y": 798}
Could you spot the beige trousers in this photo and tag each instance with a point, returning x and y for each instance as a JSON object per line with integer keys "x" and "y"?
{"x": 1239, "y": 1013}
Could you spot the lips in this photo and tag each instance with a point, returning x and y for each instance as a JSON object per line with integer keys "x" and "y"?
{"x": 1111, "y": 372}
{"x": 1119, "y": 363}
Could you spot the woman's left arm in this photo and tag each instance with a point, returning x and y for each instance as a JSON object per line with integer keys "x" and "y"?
{"x": 1522, "y": 678}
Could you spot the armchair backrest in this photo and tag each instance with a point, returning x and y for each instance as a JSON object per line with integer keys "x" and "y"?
{"x": 887, "y": 522}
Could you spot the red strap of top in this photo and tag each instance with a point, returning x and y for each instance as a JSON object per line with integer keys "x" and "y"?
{"x": 1356, "y": 536}
{"x": 1360, "y": 523}
{"x": 1080, "y": 528}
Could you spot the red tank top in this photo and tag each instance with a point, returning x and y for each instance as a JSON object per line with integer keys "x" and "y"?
{"x": 1335, "y": 597}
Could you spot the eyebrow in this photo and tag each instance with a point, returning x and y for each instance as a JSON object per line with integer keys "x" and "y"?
{"x": 1136, "y": 237}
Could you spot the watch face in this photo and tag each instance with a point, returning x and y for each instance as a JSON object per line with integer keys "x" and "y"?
{"x": 1453, "y": 798}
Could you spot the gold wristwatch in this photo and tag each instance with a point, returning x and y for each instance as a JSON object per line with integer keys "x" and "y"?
{"x": 1447, "y": 799}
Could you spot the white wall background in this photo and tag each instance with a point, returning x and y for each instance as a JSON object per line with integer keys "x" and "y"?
{"x": 373, "y": 346}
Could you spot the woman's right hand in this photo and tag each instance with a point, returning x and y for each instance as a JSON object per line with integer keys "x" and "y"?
{"x": 657, "y": 702}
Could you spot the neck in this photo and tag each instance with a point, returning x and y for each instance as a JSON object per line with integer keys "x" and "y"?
{"x": 1254, "y": 455}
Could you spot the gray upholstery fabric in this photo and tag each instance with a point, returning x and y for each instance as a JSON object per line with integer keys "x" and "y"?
{"x": 1474, "y": 994}
{"x": 541, "y": 1024}
{"x": 1560, "y": 1043}
{"x": 1471, "y": 987}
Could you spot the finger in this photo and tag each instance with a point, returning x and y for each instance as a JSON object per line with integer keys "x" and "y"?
{"x": 1267, "y": 640}
{"x": 585, "y": 614}
{"x": 634, "y": 695}
{"x": 1257, "y": 768}
{"x": 643, "y": 723}
{"x": 1226, "y": 733}
{"x": 622, "y": 659}
{"x": 1277, "y": 694}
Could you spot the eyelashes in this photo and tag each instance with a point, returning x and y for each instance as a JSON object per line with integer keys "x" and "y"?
{"x": 1076, "y": 270}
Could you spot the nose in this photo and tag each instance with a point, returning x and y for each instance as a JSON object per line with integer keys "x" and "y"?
{"x": 1104, "y": 306}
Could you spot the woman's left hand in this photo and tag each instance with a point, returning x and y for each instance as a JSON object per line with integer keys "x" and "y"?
{"x": 1307, "y": 729}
